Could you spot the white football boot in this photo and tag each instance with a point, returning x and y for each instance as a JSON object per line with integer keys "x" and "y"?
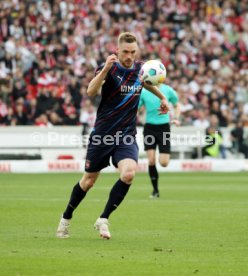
{"x": 63, "y": 229}
{"x": 101, "y": 225}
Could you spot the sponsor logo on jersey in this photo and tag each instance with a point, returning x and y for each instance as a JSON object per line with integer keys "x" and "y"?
{"x": 130, "y": 88}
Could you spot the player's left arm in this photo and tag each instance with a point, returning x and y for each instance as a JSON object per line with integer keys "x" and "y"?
{"x": 164, "y": 106}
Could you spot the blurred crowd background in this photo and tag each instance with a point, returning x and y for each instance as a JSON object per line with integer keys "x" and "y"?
{"x": 50, "y": 49}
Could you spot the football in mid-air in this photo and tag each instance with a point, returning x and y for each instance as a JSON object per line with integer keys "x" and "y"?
{"x": 153, "y": 72}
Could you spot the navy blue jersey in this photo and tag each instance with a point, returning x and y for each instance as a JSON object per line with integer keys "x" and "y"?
{"x": 120, "y": 99}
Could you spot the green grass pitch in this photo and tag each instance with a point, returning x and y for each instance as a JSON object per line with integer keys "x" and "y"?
{"x": 199, "y": 226}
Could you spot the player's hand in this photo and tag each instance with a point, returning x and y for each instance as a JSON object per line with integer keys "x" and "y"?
{"x": 164, "y": 107}
{"x": 176, "y": 122}
{"x": 109, "y": 62}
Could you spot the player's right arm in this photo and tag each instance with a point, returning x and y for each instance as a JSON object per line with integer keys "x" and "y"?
{"x": 97, "y": 82}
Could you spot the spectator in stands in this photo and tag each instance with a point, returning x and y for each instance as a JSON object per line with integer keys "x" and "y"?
{"x": 42, "y": 120}
{"x": 4, "y": 29}
{"x": 69, "y": 112}
{"x": 221, "y": 114}
{"x": 212, "y": 147}
{"x": 55, "y": 119}
{"x": 214, "y": 124}
{"x": 32, "y": 111}
{"x": 59, "y": 43}
{"x": 186, "y": 111}
{"x": 87, "y": 116}
{"x": 201, "y": 121}
{"x": 19, "y": 90}
{"x": 9, "y": 119}
{"x": 6, "y": 88}
{"x": 3, "y": 110}
{"x": 74, "y": 88}
{"x": 44, "y": 101}
{"x": 20, "y": 114}
{"x": 240, "y": 139}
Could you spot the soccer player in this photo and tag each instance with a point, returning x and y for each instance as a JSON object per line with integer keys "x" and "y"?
{"x": 157, "y": 131}
{"x": 114, "y": 131}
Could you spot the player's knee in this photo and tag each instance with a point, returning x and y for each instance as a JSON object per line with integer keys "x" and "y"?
{"x": 164, "y": 162}
{"x": 90, "y": 183}
{"x": 151, "y": 162}
{"x": 128, "y": 176}
{"x": 87, "y": 183}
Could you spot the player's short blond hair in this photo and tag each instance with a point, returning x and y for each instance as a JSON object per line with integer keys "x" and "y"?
{"x": 126, "y": 37}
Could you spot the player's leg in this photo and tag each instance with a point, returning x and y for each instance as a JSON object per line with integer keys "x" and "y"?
{"x": 125, "y": 157}
{"x": 127, "y": 168}
{"x": 164, "y": 144}
{"x": 97, "y": 158}
{"x": 153, "y": 173}
{"x": 150, "y": 145}
{"x": 164, "y": 159}
{"x": 78, "y": 193}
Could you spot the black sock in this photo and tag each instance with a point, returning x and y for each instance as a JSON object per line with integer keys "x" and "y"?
{"x": 116, "y": 196}
{"x": 154, "y": 177}
{"x": 76, "y": 197}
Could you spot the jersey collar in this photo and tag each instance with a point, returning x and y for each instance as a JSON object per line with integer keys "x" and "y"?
{"x": 126, "y": 69}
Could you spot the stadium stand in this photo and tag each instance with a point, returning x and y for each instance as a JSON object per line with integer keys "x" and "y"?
{"x": 50, "y": 49}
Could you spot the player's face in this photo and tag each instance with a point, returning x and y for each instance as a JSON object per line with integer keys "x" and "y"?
{"x": 127, "y": 53}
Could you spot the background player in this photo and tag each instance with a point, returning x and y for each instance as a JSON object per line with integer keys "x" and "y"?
{"x": 116, "y": 119}
{"x": 157, "y": 131}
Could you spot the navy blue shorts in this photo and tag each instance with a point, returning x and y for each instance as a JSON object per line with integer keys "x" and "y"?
{"x": 98, "y": 155}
